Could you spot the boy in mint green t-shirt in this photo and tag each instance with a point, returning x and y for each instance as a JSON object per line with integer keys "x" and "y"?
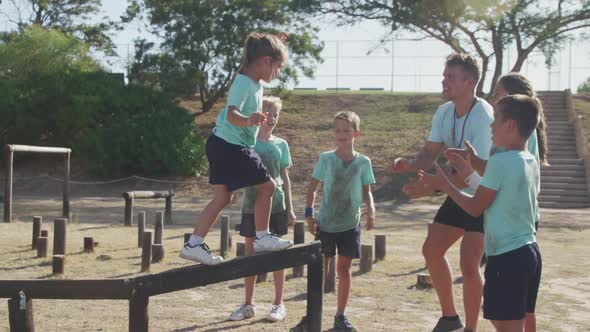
{"x": 347, "y": 177}
{"x": 507, "y": 196}
{"x": 275, "y": 155}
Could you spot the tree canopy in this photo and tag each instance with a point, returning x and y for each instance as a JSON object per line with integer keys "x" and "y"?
{"x": 483, "y": 27}
{"x": 201, "y": 42}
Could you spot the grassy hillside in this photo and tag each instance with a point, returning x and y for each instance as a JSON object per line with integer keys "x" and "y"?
{"x": 391, "y": 125}
{"x": 582, "y": 105}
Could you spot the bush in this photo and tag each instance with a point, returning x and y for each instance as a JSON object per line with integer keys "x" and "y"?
{"x": 114, "y": 129}
{"x": 584, "y": 87}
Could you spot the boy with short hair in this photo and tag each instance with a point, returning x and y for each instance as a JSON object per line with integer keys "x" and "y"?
{"x": 507, "y": 195}
{"x": 275, "y": 155}
{"x": 346, "y": 176}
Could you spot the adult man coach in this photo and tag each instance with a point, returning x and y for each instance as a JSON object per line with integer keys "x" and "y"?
{"x": 463, "y": 117}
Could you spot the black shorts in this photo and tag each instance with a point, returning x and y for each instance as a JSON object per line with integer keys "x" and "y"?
{"x": 511, "y": 283}
{"x": 233, "y": 165}
{"x": 279, "y": 224}
{"x": 450, "y": 213}
{"x": 347, "y": 242}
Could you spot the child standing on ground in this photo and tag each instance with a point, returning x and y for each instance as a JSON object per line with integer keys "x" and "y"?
{"x": 233, "y": 163}
{"x": 274, "y": 152}
{"x": 346, "y": 176}
{"x": 507, "y": 196}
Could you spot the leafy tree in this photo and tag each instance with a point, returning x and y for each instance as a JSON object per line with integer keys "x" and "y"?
{"x": 67, "y": 16}
{"x": 484, "y": 27}
{"x": 584, "y": 87}
{"x": 201, "y": 42}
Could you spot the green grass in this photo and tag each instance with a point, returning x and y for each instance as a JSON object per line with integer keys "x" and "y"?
{"x": 582, "y": 106}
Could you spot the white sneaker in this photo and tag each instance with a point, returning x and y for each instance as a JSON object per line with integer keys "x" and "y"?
{"x": 245, "y": 311}
{"x": 271, "y": 242}
{"x": 200, "y": 253}
{"x": 277, "y": 313}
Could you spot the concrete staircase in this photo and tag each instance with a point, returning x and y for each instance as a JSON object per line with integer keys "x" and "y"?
{"x": 563, "y": 183}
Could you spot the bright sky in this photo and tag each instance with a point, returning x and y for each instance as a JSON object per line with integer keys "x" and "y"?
{"x": 416, "y": 66}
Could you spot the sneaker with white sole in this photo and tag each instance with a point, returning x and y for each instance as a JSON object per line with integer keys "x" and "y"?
{"x": 200, "y": 253}
{"x": 271, "y": 242}
{"x": 277, "y": 313}
{"x": 245, "y": 311}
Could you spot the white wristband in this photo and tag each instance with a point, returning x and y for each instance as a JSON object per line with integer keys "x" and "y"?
{"x": 473, "y": 180}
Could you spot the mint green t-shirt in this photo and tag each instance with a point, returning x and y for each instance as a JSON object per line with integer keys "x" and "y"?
{"x": 342, "y": 194}
{"x": 533, "y": 148}
{"x": 509, "y": 222}
{"x": 246, "y": 95}
{"x": 473, "y": 126}
{"x": 275, "y": 156}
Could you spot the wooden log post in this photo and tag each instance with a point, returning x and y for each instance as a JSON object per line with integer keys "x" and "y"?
{"x": 330, "y": 282}
{"x": 158, "y": 228}
{"x": 423, "y": 281}
{"x": 315, "y": 278}
{"x": 128, "y": 219}
{"x": 88, "y": 244}
{"x": 146, "y": 252}
{"x": 168, "y": 210}
{"x": 20, "y": 314}
{"x": 37, "y": 221}
{"x": 140, "y": 228}
{"x": 187, "y": 237}
{"x": 366, "y": 258}
{"x": 41, "y": 246}
{"x": 240, "y": 249}
{"x": 44, "y": 233}
{"x": 157, "y": 252}
{"x": 298, "y": 237}
{"x": 66, "y": 213}
{"x": 59, "y": 236}
{"x": 59, "y": 262}
{"x": 139, "y": 311}
{"x": 224, "y": 245}
{"x": 9, "y": 156}
{"x": 380, "y": 247}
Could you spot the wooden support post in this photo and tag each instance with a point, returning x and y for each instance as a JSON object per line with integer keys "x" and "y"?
{"x": 88, "y": 244}
{"x": 44, "y": 233}
{"x": 298, "y": 237}
{"x": 187, "y": 237}
{"x": 146, "y": 253}
{"x": 128, "y": 221}
{"x": 224, "y": 236}
{"x": 158, "y": 228}
{"x": 330, "y": 282}
{"x": 42, "y": 246}
{"x": 315, "y": 277}
{"x": 9, "y": 155}
{"x": 138, "y": 311}
{"x": 380, "y": 247}
{"x": 37, "y": 221}
{"x": 262, "y": 277}
{"x": 20, "y": 314}
{"x": 157, "y": 252}
{"x": 59, "y": 262}
{"x": 366, "y": 258}
{"x": 66, "y": 195}
{"x": 168, "y": 210}
{"x": 59, "y": 236}
{"x": 140, "y": 228}
{"x": 240, "y": 249}
{"x": 423, "y": 281}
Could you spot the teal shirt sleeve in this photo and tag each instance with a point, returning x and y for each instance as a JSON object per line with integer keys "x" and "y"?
{"x": 492, "y": 178}
{"x": 319, "y": 172}
{"x": 436, "y": 129}
{"x": 481, "y": 136}
{"x": 285, "y": 161}
{"x": 238, "y": 93}
{"x": 368, "y": 177}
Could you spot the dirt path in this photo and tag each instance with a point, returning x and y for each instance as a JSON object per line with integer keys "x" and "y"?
{"x": 382, "y": 300}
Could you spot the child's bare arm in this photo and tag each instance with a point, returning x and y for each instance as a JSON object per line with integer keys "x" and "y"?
{"x": 370, "y": 206}
{"x": 288, "y": 200}
{"x": 236, "y": 118}
{"x": 309, "y": 201}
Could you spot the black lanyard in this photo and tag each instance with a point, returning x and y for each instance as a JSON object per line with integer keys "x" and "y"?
{"x": 464, "y": 123}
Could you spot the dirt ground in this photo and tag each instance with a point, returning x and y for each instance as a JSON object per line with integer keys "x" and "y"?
{"x": 382, "y": 300}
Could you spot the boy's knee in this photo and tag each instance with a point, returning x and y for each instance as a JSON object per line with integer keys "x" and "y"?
{"x": 429, "y": 251}
{"x": 470, "y": 269}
